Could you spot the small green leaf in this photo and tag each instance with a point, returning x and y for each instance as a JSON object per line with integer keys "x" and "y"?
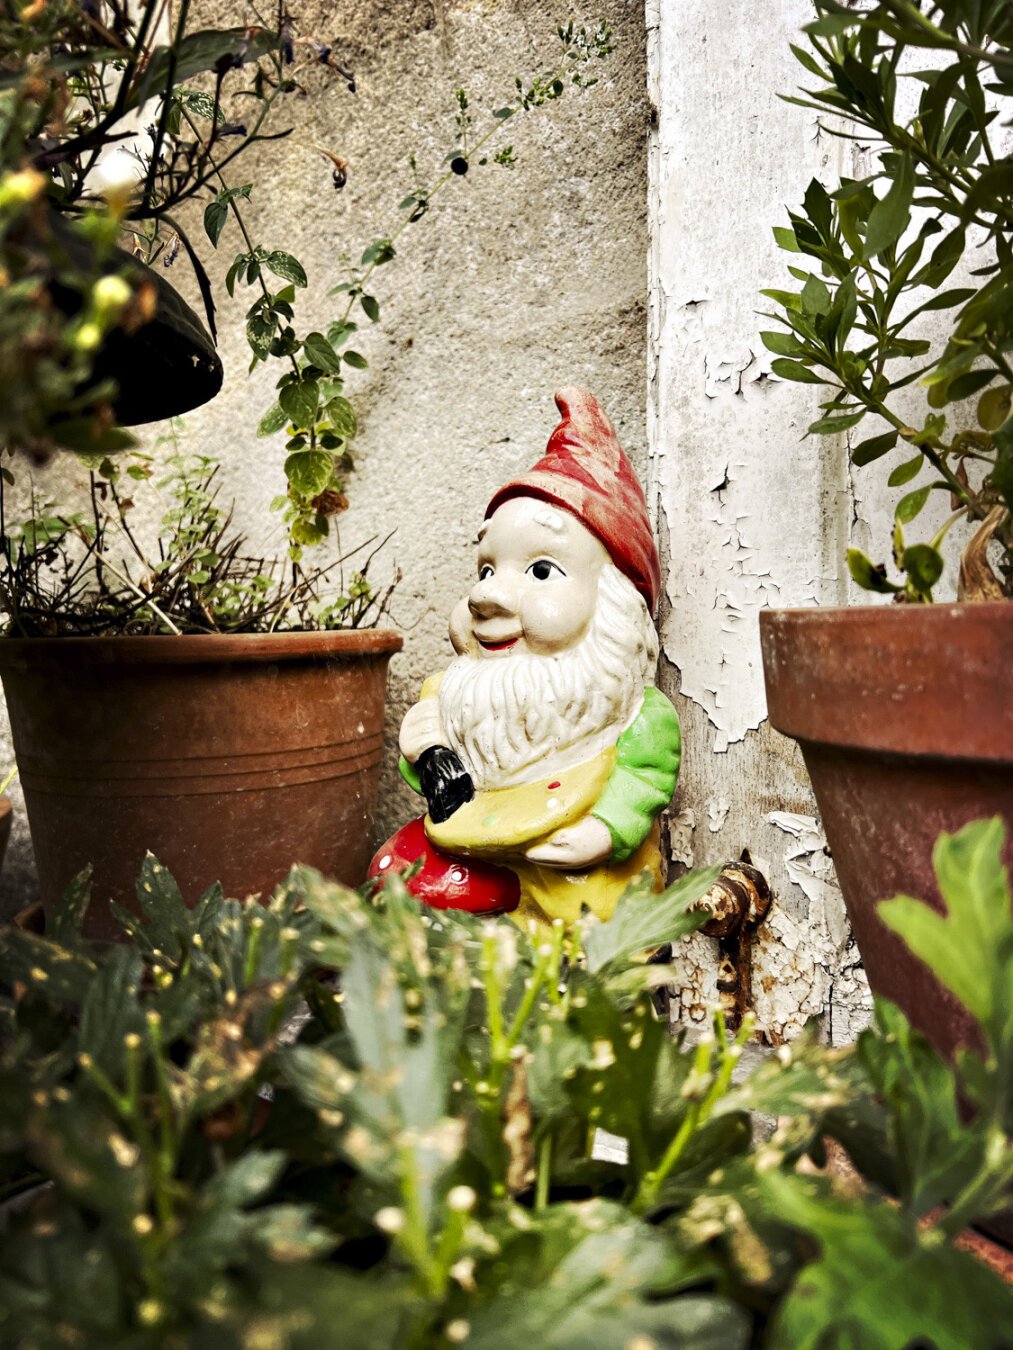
{"x": 321, "y": 353}
{"x": 794, "y": 370}
{"x": 342, "y": 417}
{"x": 874, "y": 448}
{"x": 273, "y": 420}
{"x": 782, "y": 344}
{"x": 889, "y": 216}
{"x": 355, "y": 360}
{"x": 369, "y": 304}
{"x": 285, "y": 266}
{"x": 828, "y": 426}
{"x": 923, "y": 565}
{"x": 642, "y": 919}
{"x": 815, "y": 297}
{"x": 216, "y": 213}
{"x": 868, "y": 576}
{"x": 300, "y": 402}
{"x": 994, "y": 407}
{"x": 906, "y": 471}
{"x": 908, "y": 507}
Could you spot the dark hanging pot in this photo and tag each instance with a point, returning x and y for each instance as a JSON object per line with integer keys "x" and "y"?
{"x": 904, "y": 717}
{"x": 165, "y": 368}
{"x": 230, "y": 757}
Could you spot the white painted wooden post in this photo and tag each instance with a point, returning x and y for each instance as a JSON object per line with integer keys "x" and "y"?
{"x": 749, "y": 513}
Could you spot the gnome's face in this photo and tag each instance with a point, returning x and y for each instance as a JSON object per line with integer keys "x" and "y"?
{"x": 537, "y": 588}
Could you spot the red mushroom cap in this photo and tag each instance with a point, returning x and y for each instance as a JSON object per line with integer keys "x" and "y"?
{"x": 445, "y": 881}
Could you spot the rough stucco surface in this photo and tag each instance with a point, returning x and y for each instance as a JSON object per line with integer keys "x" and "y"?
{"x": 516, "y": 283}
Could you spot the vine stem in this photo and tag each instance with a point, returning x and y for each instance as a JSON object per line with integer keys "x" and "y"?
{"x": 243, "y": 231}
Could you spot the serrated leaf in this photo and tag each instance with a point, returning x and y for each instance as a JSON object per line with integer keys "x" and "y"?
{"x": 643, "y": 919}
{"x": 342, "y": 417}
{"x": 970, "y": 947}
{"x": 64, "y": 923}
{"x": 877, "y": 1283}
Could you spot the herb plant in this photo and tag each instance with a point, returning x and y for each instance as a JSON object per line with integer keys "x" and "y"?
{"x": 924, "y": 84}
{"x": 91, "y": 574}
{"x": 243, "y": 1147}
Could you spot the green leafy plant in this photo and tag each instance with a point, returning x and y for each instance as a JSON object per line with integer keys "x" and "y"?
{"x": 243, "y": 1145}
{"x": 78, "y": 575}
{"x": 873, "y": 256}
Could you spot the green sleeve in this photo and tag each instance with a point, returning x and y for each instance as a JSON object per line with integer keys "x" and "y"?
{"x": 409, "y": 774}
{"x": 643, "y": 781}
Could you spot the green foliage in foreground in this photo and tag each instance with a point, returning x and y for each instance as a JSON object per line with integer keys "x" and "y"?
{"x": 242, "y": 1153}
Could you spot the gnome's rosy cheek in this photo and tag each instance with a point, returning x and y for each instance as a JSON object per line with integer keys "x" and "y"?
{"x": 461, "y": 636}
{"x": 556, "y": 615}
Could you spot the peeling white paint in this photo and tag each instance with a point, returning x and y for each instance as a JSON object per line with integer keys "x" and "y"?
{"x": 717, "y": 813}
{"x": 681, "y": 828}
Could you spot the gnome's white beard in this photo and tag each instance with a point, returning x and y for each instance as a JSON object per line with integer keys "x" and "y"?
{"x": 515, "y": 719}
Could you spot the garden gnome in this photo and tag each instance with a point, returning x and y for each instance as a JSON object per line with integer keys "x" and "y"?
{"x": 544, "y": 750}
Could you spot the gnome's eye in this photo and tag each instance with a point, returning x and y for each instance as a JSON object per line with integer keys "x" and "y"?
{"x": 542, "y": 570}
{"x": 484, "y": 573}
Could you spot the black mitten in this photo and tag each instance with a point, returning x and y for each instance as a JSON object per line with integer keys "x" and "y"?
{"x": 444, "y": 782}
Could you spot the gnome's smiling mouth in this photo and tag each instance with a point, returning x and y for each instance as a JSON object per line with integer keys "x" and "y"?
{"x": 503, "y": 645}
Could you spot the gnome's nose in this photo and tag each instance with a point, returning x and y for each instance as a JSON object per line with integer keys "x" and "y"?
{"x": 488, "y": 599}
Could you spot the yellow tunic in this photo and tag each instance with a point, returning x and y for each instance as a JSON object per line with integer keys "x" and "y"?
{"x": 501, "y": 824}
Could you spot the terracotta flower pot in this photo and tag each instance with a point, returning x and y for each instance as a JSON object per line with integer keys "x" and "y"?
{"x": 905, "y": 720}
{"x": 229, "y": 757}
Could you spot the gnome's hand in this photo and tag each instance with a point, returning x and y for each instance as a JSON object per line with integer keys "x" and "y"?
{"x": 421, "y": 729}
{"x": 444, "y": 781}
{"x": 581, "y": 845}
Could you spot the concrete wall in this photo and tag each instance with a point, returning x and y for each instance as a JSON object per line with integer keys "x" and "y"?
{"x": 517, "y": 282}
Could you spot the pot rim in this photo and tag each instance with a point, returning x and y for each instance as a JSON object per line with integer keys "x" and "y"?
{"x": 861, "y": 613}
{"x": 187, "y": 649}
{"x": 911, "y": 680}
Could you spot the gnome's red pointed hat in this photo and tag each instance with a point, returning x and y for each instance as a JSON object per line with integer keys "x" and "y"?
{"x": 586, "y": 473}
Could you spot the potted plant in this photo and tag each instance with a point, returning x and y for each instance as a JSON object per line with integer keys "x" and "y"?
{"x": 263, "y": 744}
{"x": 206, "y": 1141}
{"x": 902, "y": 711}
